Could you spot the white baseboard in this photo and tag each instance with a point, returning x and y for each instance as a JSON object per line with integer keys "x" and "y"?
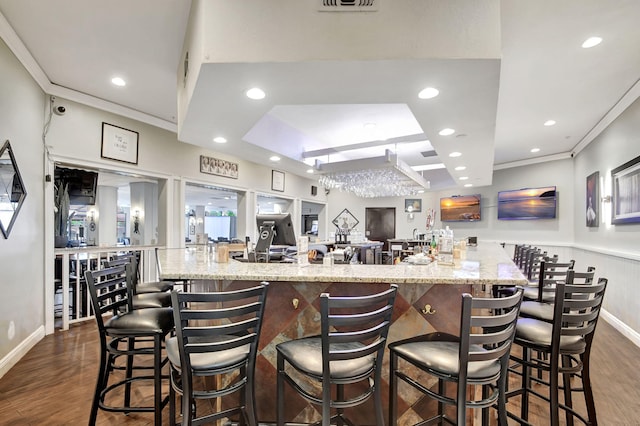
{"x": 623, "y": 328}
{"x": 21, "y": 350}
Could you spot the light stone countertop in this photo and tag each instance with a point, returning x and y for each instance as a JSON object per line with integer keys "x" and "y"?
{"x": 486, "y": 264}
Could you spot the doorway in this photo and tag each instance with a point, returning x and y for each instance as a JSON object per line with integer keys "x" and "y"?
{"x": 380, "y": 224}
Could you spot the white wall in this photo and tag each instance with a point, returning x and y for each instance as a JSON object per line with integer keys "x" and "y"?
{"x": 559, "y": 230}
{"x": 21, "y": 264}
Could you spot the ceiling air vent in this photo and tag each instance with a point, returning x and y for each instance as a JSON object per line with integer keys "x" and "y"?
{"x": 348, "y": 5}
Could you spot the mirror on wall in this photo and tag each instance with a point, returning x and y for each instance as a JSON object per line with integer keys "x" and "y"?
{"x": 12, "y": 191}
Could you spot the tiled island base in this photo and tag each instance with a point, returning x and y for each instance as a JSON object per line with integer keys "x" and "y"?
{"x": 428, "y": 300}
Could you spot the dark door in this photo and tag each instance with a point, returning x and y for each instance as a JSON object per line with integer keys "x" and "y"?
{"x": 380, "y": 224}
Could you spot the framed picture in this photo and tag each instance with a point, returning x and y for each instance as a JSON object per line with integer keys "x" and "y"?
{"x": 218, "y": 167}
{"x": 412, "y": 205}
{"x": 593, "y": 200}
{"x": 345, "y": 220}
{"x": 277, "y": 180}
{"x": 625, "y": 194}
{"x": 119, "y": 144}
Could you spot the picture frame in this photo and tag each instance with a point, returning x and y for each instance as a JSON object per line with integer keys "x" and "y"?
{"x": 625, "y": 193}
{"x": 218, "y": 167}
{"x": 277, "y": 180}
{"x": 412, "y": 205}
{"x": 345, "y": 220}
{"x": 593, "y": 200}
{"x": 119, "y": 144}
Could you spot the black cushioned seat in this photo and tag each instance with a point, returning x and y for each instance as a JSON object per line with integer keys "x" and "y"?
{"x": 140, "y": 331}
{"x": 305, "y": 354}
{"x": 348, "y": 352}
{"x": 209, "y": 360}
{"x": 478, "y": 356}
{"x": 442, "y": 355}
{"x": 151, "y": 300}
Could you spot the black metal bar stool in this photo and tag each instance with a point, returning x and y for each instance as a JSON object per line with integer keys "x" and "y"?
{"x": 216, "y": 336}
{"x": 160, "y": 298}
{"x": 349, "y": 351}
{"x": 141, "y": 331}
{"x": 563, "y": 347}
{"x": 478, "y": 356}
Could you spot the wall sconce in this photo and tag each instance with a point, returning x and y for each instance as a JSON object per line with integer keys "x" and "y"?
{"x": 136, "y": 222}
{"x": 92, "y": 220}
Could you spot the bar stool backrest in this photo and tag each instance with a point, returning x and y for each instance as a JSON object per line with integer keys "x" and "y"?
{"x": 576, "y": 311}
{"x": 355, "y": 327}
{"x": 110, "y": 290}
{"x": 218, "y": 321}
{"x": 550, "y": 274}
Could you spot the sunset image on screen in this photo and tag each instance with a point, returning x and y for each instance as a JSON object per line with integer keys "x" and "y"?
{"x": 463, "y": 208}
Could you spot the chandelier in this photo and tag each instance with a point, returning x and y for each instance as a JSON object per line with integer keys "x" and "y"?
{"x": 385, "y": 176}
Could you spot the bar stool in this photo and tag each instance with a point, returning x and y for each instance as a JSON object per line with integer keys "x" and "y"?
{"x": 118, "y": 323}
{"x": 542, "y": 307}
{"x": 216, "y": 336}
{"x": 349, "y": 351}
{"x": 563, "y": 347}
{"x": 479, "y": 355}
{"x": 140, "y": 300}
{"x": 550, "y": 272}
{"x": 143, "y": 287}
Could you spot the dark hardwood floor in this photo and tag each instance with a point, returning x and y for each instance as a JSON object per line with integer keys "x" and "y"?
{"x": 53, "y": 384}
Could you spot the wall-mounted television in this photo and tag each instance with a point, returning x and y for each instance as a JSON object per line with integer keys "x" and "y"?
{"x": 82, "y": 184}
{"x": 460, "y": 208}
{"x": 527, "y": 203}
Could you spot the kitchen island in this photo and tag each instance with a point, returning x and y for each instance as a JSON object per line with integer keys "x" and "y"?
{"x": 428, "y": 300}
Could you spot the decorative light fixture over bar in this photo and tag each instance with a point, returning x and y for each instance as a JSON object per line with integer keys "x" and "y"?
{"x": 385, "y": 176}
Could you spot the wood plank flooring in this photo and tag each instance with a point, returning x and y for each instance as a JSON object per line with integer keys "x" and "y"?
{"x": 54, "y": 383}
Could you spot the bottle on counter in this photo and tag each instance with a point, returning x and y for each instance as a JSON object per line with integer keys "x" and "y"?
{"x": 434, "y": 245}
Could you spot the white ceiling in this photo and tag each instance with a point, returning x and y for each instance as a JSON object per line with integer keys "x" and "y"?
{"x": 497, "y": 106}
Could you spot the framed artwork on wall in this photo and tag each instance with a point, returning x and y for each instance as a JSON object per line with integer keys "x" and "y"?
{"x": 218, "y": 167}
{"x": 625, "y": 194}
{"x": 119, "y": 144}
{"x": 593, "y": 200}
{"x": 412, "y": 205}
{"x": 277, "y": 180}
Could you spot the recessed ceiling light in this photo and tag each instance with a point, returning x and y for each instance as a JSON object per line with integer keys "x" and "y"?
{"x": 310, "y": 171}
{"x": 446, "y": 132}
{"x": 464, "y": 177}
{"x": 461, "y": 168}
{"x": 274, "y": 158}
{"x": 549, "y": 123}
{"x": 591, "y": 41}
{"x": 534, "y": 150}
{"x": 428, "y": 93}
{"x": 369, "y": 125}
{"x": 255, "y": 93}
{"x": 219, "y": 139}
{"x": 455, "y": 154}
{"x": 468, "y": 185}
{"x": 118, "y": 81}
{"x": 420, "y": 191}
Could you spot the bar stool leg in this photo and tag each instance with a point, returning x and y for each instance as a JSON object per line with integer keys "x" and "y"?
{"x": 280, "y": 397}
{"x": 586, "y": 386}
{"x": 526, "y": 382}
{"x": 566, "y": 381}
{"x": 100, "y": 384}
{"x": 393, "y": 389}
{"x": 554, "y": 413}
{"x": 157, "y": 379}
{"x": 129, "y": 370}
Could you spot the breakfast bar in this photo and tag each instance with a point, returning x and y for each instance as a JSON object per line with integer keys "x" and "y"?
{"x": 428, "y": 300}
